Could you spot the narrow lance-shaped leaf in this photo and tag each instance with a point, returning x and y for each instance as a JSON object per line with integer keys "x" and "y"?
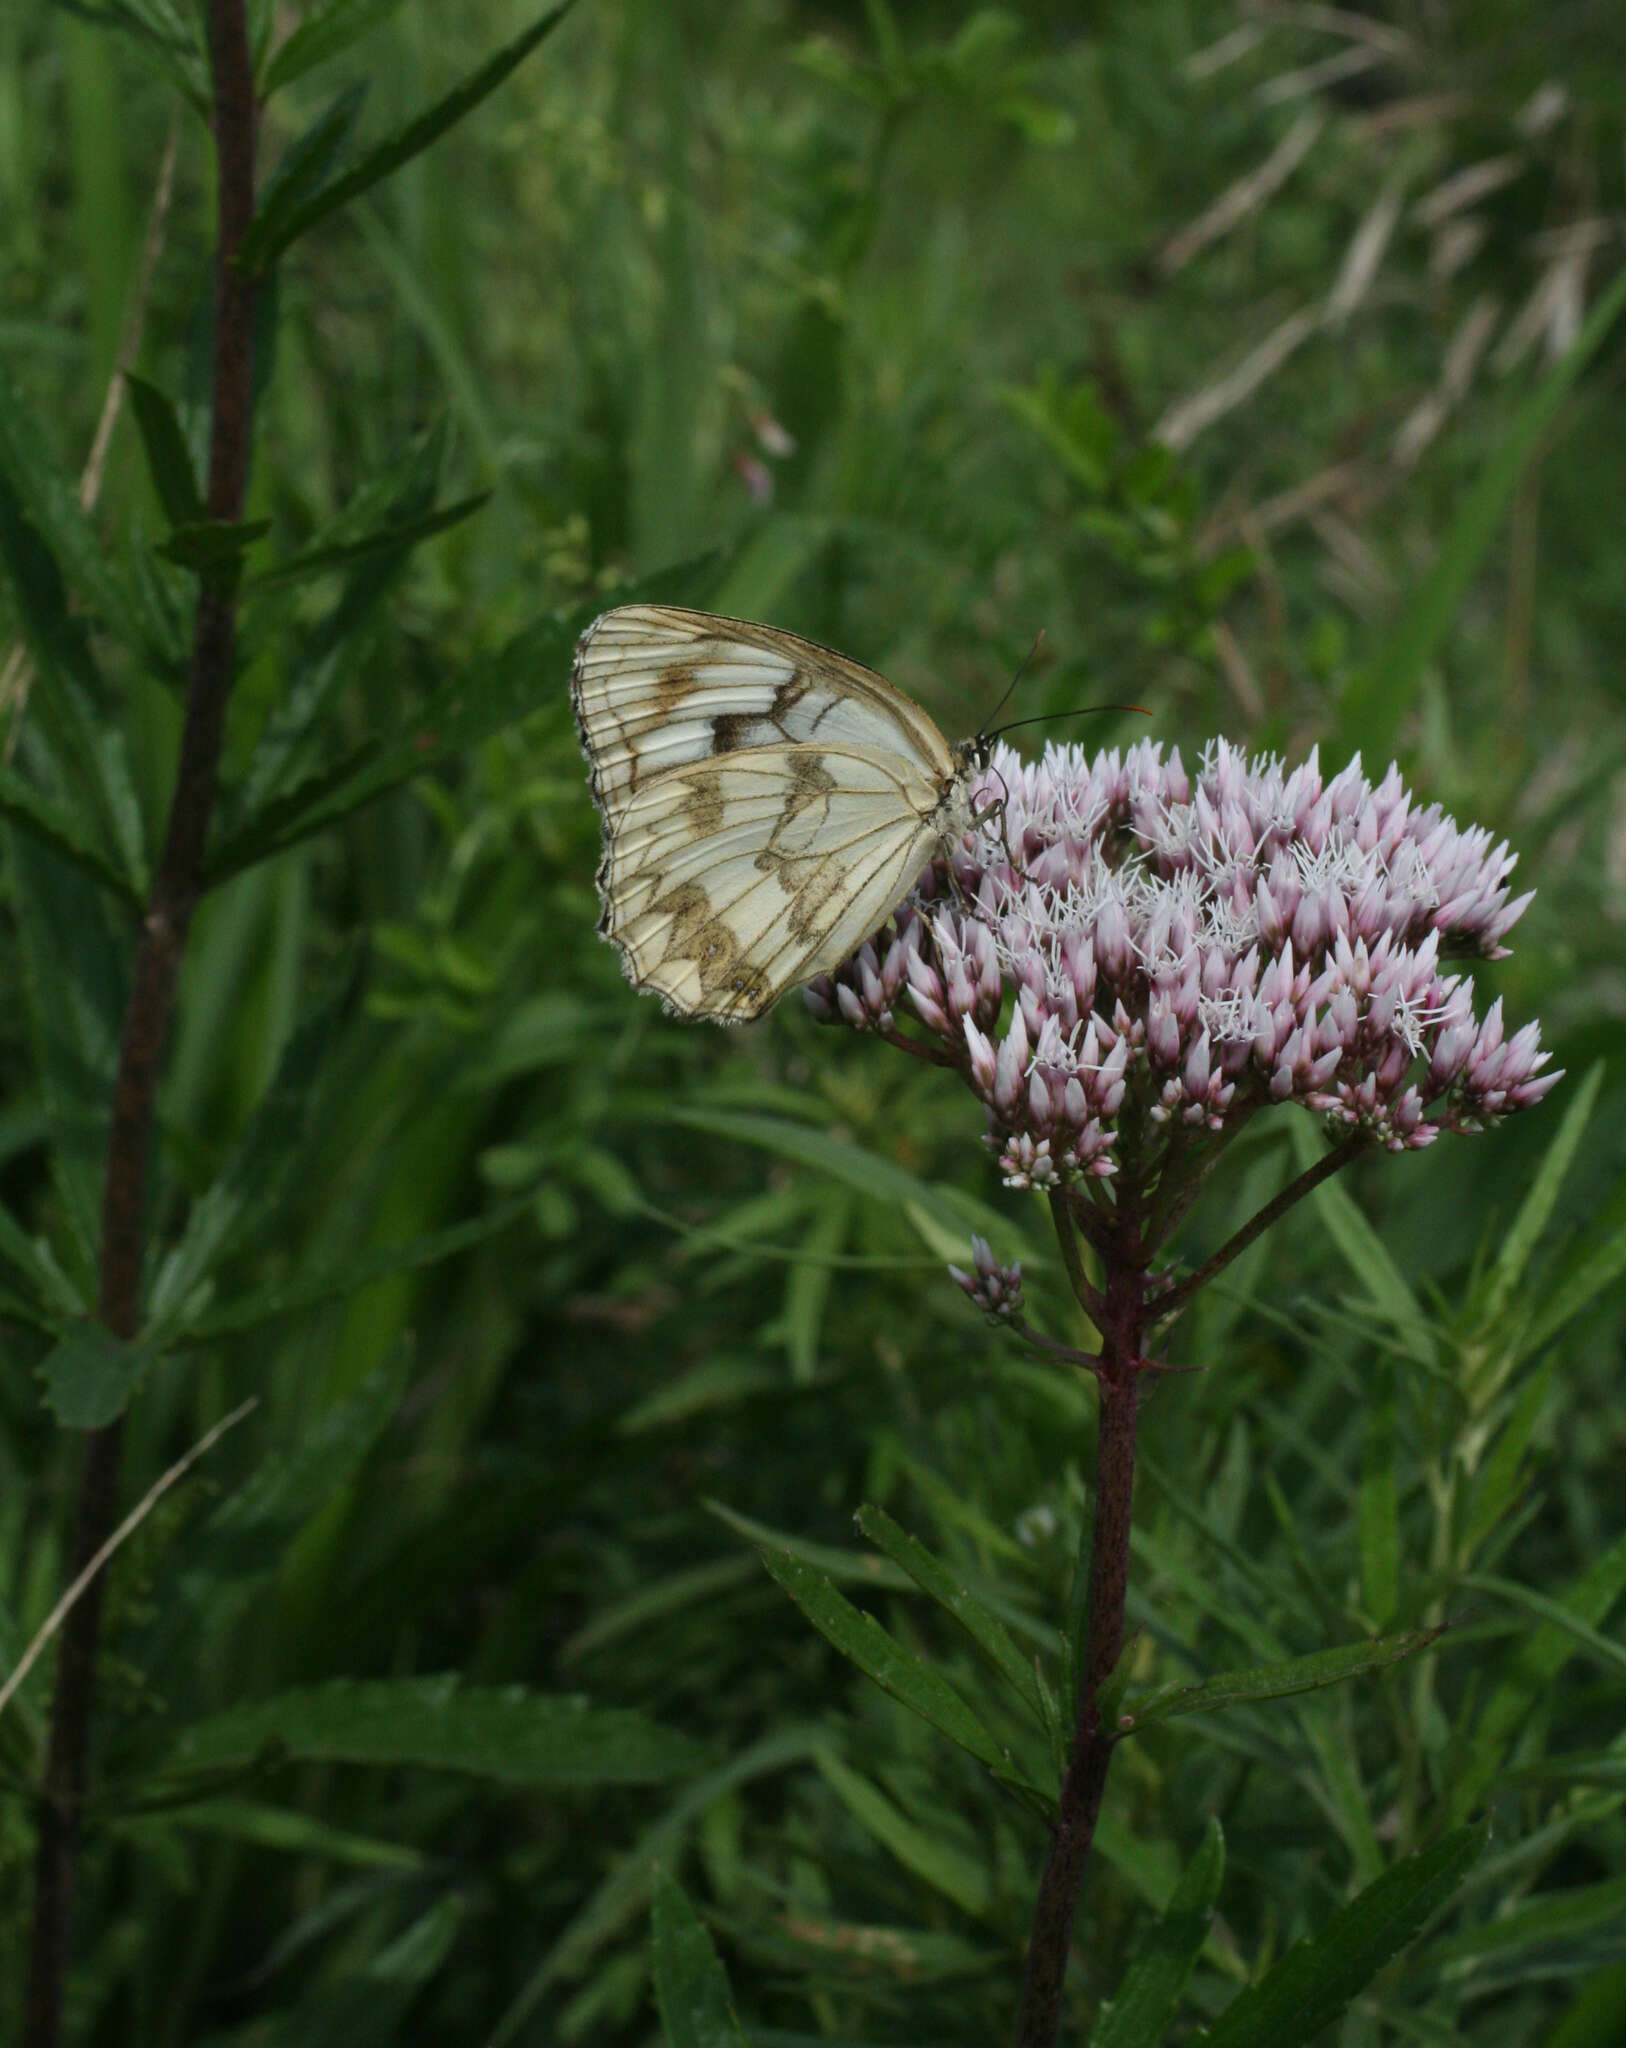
{"x": 1144, "y": 2003}
{"x": 935, "y": 1579}
{"x": 301, "y": 172}
{"x": 1379, "y": 1510}
{"x": 1276, "y": 1681}
{"x": 861, "y": 1638}
{"x": 265, "y": 242}
{"x": 325, "y": 30}
{"x": 322, "y": 561}
{"x": 510, "y": 1735}
{"x": 1319, "y": 1976}
{"x": 169, "y": 460}
{"x": 691, "y": 1985}
{"x": 935, "y": 1860}
{"x": 1535, "y": 1210}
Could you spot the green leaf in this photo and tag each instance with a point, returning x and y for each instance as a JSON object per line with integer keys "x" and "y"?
{"x": 213, "y": 546}
{"x": 1379, "y": 1510}
{"x": 1143, "y": 2006}
{"x": 879, "y": 1656}
{"x": 510, "y": 1736}
{"x": 691, "y": 1985}
{"x": 1537, "y": 1207}
{"x": 1609, "y": 1653}
{"x": 1319, "y": 1976}
{"x": 1549, "y": 1916}
{"x": 164, "y": 35}
{"x": 1367, "y": 1257}
{"x": 1277, "y": 1681}
{"x": 266, "y": 242}
{"x": 623, "y": 1892}
{"x": 338, "y": 1283}
{"x": 169, "y": 461}
{"x": 879, "y": 1179}
{"x": 1377, "y": 699}
{"x": 264, "y": 1151}
{"x": 1532, "y": 1668}
{"x": 90, "y": 1376}
{"x": 846, "y": 1567}
{"x": 1500, "y": 1478}
{"x": 484, "y": 699}
{"x": 293, "y": 1833}
{"x": 935, "y": 1579}
{"x": 57, "y": 827}
{"x": 300, "y": 174}
{"x": 50, "y": 502}
{"x": 322, "y": 561}
{"x": 324, "y": 30}
{"x": 930, "y": 1857}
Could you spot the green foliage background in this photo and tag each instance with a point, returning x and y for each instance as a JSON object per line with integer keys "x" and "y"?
{"x": 855, "y": 319}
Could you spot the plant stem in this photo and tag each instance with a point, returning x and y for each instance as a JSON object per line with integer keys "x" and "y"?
{"x": 1120, "y": 1315}
{"x": 1176, "y": 1296}
{"x": 147, "y": 1014}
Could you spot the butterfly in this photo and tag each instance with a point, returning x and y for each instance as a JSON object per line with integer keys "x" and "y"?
{"x": 766, "y": 802}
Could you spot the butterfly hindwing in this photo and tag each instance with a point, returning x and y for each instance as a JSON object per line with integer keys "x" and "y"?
{"x": 765, "y": 803}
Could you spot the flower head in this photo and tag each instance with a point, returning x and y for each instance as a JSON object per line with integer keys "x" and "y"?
{"x": 996, "y": 1289}
{"x": 1119, "y": 929}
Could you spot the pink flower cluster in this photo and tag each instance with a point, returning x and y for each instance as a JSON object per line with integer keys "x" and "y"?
{"x": 1205, "y": 945}
{"x": 996, "y": 1289}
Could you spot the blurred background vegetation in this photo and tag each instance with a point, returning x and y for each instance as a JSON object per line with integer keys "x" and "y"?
{"x": 1265, "y": 357}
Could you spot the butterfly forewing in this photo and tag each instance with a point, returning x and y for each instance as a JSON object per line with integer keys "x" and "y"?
{"x": 765, "y": 802}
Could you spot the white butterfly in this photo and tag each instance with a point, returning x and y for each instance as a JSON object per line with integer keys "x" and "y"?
{"x": 766, "y": 802}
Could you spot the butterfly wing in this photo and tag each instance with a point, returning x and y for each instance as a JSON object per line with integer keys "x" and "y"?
{"x": 729, "y": 882}
{"x": 766, "y": 802}
{"x": 655, "y": 687}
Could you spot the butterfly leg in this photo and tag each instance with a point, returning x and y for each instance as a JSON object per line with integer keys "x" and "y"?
{"x": 996, "y": 809}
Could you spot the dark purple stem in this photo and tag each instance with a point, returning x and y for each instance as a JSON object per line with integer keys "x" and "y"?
{"x": 1120, "y": 1315}
{"x": 146, "y": 1023}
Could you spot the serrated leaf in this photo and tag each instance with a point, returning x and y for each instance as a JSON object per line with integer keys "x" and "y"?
{"x": 90, "y": 1375}
{"x": 1278, "y": 1681}
{"x": 511, "y": 1736}
{"x": 325, "y": 29}
{"x": 264, "y": 244}
{"x": 956, "y": 1600}
{"x": 1320, "y": 1975}
{"x": 1144, "y": 2003}
{"x": 691, "y": 1985}
{"x": 861, "y": 1638}
{"x": 169, "y": 460}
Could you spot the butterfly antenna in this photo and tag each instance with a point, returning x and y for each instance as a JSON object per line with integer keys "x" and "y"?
{"x": 1047, "y": 717}
{"x": 1026, "y": 663}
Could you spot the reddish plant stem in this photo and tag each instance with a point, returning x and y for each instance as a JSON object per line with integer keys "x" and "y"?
{"x": 1171, "y": 1295}
{"x": 145, "y": 1033}
{"x": 1120, "y": 1315}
